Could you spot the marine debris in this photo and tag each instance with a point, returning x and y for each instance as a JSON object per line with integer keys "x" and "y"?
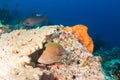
{"x": 30, "y": 55}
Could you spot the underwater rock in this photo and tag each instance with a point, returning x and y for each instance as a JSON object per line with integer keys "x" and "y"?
{"x": 20, "y": 51}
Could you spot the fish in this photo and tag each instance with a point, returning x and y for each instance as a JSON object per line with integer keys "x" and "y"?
{"x": 34, "y": 20}
{"x": 53, "y": 53}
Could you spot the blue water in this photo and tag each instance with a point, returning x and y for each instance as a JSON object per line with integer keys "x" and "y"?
{"x": 101, "y": 16}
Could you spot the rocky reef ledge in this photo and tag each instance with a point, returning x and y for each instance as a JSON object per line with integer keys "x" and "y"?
{"x": 46, "y": 53}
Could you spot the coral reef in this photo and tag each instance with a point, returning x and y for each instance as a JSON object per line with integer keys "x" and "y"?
{"x": 4, "y": 28}
{"x": 1, "y": 25}
{"x": 80, "y": 31}
{"x": 110, "y": 62}
{"x": 20, "y": 51}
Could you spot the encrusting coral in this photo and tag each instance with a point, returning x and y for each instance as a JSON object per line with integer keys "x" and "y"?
{"x": 30, "y": 55}
{"x": 81, "y": 33}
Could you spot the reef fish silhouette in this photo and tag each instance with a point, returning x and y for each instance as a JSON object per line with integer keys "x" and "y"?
{"x": 33, "y": 20}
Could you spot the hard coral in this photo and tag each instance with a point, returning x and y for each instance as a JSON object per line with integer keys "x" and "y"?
{"x": 80, "y": 32}
{"x": 19, "y": 53}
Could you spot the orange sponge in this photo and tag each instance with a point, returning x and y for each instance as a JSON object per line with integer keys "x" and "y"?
{"x": 81, "y": 33}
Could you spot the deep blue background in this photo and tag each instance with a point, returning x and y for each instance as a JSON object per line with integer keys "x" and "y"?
{"x": 101, "y": 16}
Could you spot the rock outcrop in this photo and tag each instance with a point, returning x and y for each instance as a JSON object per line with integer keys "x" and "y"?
{"x": 20, "y": 51}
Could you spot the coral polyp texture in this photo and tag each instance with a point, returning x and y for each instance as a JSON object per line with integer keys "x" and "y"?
{"x": 47, "y": 53}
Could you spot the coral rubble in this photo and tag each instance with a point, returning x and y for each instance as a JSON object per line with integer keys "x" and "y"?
{"x": 22, "y": 55}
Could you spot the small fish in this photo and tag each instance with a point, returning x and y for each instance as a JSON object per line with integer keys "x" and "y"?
{"x": 34, "y": 20}
{"x": 53, "y": 53}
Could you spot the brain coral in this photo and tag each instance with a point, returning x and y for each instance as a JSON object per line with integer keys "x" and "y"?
{"x": 81, "y": 32}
